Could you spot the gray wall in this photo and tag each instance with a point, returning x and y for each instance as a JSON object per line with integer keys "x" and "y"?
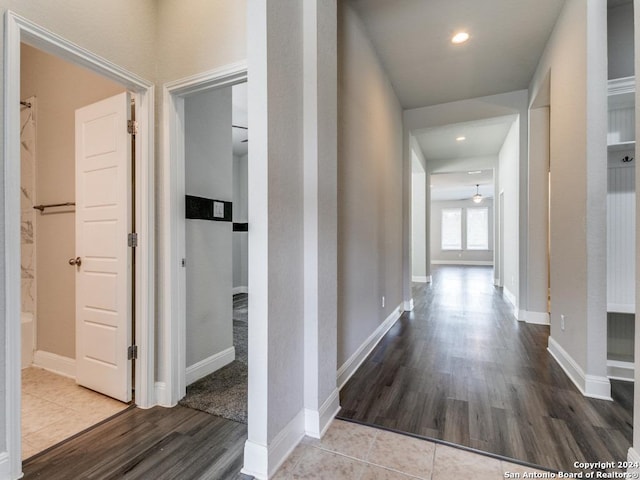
{"x": 578, "y": 122}
{"x": 508, "y": 171}
{"x": 620, "y": 41}
{"x": 419, "y": 226}
{"x": 459, "y": 256}
{"x": 369, "y": 189}
{"x": 276, "y": 198}
{"x": 208, "y": 173}
{"x": 240, "y": 245}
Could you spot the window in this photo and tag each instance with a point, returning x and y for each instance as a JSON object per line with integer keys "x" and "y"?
{"x": 451, "y": 229}
{"x": 477, "y": 229}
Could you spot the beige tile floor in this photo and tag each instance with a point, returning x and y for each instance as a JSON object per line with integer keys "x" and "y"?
{"x": 354, "y": 452}
{"x": 55, "y": 408}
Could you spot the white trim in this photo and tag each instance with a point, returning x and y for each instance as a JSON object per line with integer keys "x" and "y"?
{"x": 18, "y": 29}
{"x": 210, "y": 365}
{"x": 420, "y": 279}
{"x": 5, "y": 466}
{"x": 617, "y": 370}
{"x": 162, "y": 395}
{"x": 173, "y": 228}
{"x": 589, "y": 385}
{"x": 349, "y": 367}
{"x": 618, "y": 86}
{"x": 408, "y": 305}
{"x": 633, "y": 457}
{"x": 262, "y": 461}
{"x": 317, "y": 422}
{"x": 57, "y": 364}
{"x": 241, "y": 289}
{"x": 485, "y": 263}
{"x": 536, "y": 318}
{"x": 621, "y": 308}
{"x": 12, "y": 294}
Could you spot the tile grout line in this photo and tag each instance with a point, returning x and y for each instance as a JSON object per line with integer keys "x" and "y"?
{"x": 367, "y": 462}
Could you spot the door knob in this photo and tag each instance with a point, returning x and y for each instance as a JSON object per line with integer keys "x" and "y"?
{"x": 75, "y": 261}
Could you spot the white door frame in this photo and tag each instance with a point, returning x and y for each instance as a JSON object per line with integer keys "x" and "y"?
{"x": 173, "y": 305}
{"x": 18, "y": 29}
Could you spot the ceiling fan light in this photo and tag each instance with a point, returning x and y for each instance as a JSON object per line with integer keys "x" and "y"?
{"x": 477, "y": 198}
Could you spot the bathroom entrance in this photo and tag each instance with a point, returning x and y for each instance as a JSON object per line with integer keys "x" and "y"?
{"x": 76, "y": 267}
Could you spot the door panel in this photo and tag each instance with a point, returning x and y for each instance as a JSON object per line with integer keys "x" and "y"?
{"x": 103, "y": 219}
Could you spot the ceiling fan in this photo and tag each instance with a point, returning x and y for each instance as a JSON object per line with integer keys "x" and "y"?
{"x": 243, "y": 128}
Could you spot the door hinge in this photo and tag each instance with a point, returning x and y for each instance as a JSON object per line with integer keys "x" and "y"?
{"x": 132, "y": 240}
{"x": 132, "y": 352}
{"x": 132, "y": 127}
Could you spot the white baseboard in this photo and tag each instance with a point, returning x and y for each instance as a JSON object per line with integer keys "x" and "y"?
{"x": 351, "y": 365}
{"x": 484, "y": 263}
{"x": 537, "y": 318}
{"x": 589, "y": 385}
{"x": 210, "y": 365}
{"x": 316, "y": 422}
{"x": 241, "y": 289}
{"x": 633, "y": 457}
{"x": 57, "y": 364}
{"x": 511, "y": 298}
{"x": 420, "y": 279}
{"x": 408, "y": 305}
{"x": 617, "y": 370}
{"x": 262, "y": 461}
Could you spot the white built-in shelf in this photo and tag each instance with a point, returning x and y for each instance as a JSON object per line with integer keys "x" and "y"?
{"x": 621, "y": 88}
{"x": 621, "y": 146}
{"x": 621, "y": 308}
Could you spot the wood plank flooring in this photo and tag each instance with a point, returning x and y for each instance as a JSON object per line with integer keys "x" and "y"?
{"x": 159, "y": 443}
{"x": 460, "y": 368}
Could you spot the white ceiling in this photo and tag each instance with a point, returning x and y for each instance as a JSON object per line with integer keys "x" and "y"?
{"x": 461, "y": 185}
{"x": 482, "y": 138}
{"x": 412, "y": 38}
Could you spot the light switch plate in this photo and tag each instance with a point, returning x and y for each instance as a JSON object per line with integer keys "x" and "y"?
{"x": 218, "y": 209}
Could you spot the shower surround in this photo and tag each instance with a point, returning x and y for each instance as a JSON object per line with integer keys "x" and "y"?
{"x": 27, "y": 213}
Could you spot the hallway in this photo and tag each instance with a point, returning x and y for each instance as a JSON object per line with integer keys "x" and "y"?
{"x": 461, "y": 369}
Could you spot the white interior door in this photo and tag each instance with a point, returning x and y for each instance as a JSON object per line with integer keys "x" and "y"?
{"x": 103, "y": 219}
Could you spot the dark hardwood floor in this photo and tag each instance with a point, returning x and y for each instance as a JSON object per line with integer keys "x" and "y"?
{"x": 159, "y": 444}
{"x": 460, "y": 368}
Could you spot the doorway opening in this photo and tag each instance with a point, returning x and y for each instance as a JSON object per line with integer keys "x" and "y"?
{"x": 76, "y": 288}
{"x": 216, "y": 270}
{"x": 21, "y": 31}
{"x": 194, "y": 191}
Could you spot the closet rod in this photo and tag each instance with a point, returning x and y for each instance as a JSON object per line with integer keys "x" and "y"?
{"x": 25, "y": 104}
{"x": 42, "y": 207}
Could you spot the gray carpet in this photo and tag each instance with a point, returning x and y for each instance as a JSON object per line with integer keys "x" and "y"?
{"x": 224, "y": 393}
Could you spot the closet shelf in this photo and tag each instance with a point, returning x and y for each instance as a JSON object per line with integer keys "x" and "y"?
{"x": 618, "y": 147}
{"x": 621, "y": 308}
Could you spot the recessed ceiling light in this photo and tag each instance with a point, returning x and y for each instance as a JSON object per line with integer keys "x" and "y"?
{"x": 475, "y": 172}
{"x": 460, "y": 139}
{"x": 460, "y": 37}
